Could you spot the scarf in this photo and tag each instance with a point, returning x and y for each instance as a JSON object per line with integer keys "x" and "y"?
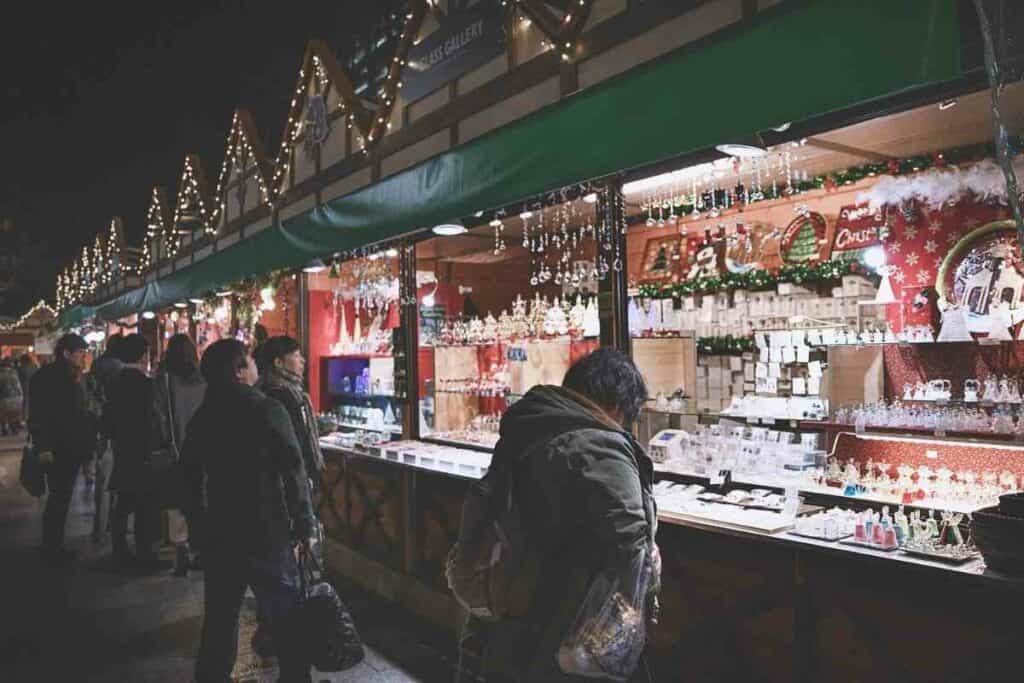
{"x": 285, "y": 380}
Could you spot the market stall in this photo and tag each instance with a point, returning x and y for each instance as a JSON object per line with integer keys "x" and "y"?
{"x": 835, "y": 394}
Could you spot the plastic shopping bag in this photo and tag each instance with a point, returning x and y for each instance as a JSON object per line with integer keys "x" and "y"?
{"x": 610, "y": 631}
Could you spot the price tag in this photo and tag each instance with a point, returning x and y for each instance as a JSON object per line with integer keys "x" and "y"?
{"x": 720, "y": 478}
{"x": 859, "y": 429}
{"x": 940, "y": 433}
{"x": 751, "y": 420}
{"x": 770, "y": 421}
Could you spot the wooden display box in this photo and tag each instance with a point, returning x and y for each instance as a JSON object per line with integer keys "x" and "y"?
{"x": 854, "y": 375}
{"x": 667, "y": 364}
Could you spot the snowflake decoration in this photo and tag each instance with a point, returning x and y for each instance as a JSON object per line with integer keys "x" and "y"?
{"x": 935, "y": 226}
{"x": 912, "y": 258}
{"x": 899, "y": 277}
{"x": 930, "y": 246}
{"x": 910, "y": 232}
{"x": 923, "y": 277}
{"x": 894, "y": 247}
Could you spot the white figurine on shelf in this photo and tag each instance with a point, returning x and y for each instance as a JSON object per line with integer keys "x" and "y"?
{"x": 653, "y": 317}
{"x": 592, "y": 320}
{"x": 954, "y": 327}
{"x": 636, "y": 325}
{"x": 577, "y": 314}
{"x": 999, "y": 323}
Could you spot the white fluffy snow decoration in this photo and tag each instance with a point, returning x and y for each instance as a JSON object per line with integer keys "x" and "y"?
{"x": 936, "y": 187}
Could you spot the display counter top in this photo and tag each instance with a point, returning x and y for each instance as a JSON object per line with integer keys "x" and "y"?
{"x": 781, "y": 536}
{"x": 457, "y": 462}
{"x": 754, "y": 525}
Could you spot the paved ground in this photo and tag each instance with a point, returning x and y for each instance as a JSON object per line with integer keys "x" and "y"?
{"x": 91, "y": 624}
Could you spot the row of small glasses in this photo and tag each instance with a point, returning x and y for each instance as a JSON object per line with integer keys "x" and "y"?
{"x": 1002, "y": 420}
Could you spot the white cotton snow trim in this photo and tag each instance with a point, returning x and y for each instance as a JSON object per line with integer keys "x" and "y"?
{"x": 936, "y": 187}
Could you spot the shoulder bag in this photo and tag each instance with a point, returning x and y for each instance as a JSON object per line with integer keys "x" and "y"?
{"x": 33, "y": 473}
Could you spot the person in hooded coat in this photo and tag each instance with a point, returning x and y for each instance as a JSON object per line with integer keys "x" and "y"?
{"x": 584, "y": 490}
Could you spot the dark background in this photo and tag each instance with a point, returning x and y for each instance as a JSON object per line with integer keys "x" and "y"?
{"x": 101, "y": 103}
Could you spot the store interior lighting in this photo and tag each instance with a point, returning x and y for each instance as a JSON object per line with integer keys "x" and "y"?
{"x": 449, "y": 229}
{"x": 314, "y": 266}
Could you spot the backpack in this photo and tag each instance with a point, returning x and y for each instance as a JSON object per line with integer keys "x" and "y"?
{"x": 493, "y": 569}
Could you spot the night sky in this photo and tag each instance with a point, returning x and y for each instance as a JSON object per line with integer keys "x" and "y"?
{"x": 99, "y": 106}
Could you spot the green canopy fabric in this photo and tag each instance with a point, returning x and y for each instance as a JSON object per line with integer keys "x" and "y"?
{"x": 800, "y": 59}
{"x": 75, "y": 316}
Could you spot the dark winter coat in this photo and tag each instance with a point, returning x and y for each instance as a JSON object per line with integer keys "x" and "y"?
{"x": 300, "y": 423}
{"x": 129, "y": 421}
{"x": 60, "y": 418}
{"x": 245, "y": 476}
{"x": 175, "y": 401}
{"x": 584, "y": 491}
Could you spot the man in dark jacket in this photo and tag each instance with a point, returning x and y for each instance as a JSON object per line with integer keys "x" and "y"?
{"x": 583, "y": 485}
{"x": 247, "y": 481}
{"x": 129, "y": 422}
{"x": 282, "y": 370}
{"x": 63, "y": 431}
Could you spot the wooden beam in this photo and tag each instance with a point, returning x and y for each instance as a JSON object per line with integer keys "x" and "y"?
{"x": 847, "y": 149}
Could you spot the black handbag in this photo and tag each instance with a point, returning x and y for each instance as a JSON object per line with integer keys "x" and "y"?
{"x": 329, "y": 636}
{"x": 33, "y": 473}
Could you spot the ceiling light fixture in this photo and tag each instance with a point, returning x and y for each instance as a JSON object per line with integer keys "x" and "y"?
{"x": 947, "y": 104}
{"x": 449, "y": 229}
{"x": 741, "y": 151}
{"x": 148, "y": 315}
{"x": 590, "y": 198}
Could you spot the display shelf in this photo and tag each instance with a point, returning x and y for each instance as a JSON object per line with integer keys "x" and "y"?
{"x": 358, "y": 356}
{"x": 912, "y": 432}
{"x": 365, "y": 395}
{"x": 780, "y": 483}
{"x": 389, "y": 429}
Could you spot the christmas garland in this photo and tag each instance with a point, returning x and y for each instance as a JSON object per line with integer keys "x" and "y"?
{"x": 756, "y": 280}
{"x": 854, "y": 174}
{"x": 725, "y": 346}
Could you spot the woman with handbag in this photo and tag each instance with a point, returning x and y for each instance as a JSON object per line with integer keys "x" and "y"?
{"x": 178, "y": 391}
{"x": 129, "y": 422}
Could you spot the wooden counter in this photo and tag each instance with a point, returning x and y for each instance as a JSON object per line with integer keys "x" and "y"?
{"x": 736, "y": 606}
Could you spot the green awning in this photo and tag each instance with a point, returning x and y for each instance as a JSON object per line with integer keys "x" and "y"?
{"x": 800, "y": 59}
{"x": 75, "y": 316}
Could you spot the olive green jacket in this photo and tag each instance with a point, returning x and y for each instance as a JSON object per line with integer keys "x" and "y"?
{"x": 583, "y": 485}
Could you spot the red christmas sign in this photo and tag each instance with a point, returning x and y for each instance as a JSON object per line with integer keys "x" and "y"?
{"x": 857, "y": 227}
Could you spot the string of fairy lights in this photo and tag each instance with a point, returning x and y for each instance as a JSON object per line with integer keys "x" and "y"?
{"x": 41, "y": 306}
{"x": 320, "y": 75}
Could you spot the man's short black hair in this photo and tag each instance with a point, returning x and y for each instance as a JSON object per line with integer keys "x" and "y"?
{"x": 114, "y": 342}
{"x": 222, "y": 361}
{"x": 69, "y": 343}
{"x": 272, "y": 349}
{"x": 610, "y": 379}
{"x": 132, "y": 348}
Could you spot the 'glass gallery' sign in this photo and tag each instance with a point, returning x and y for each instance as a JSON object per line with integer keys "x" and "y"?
{"x": 465, "y": 41}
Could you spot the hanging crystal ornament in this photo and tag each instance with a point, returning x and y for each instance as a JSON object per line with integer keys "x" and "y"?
{"x": 695, "y": 214}
{"x": 788, "y": 157}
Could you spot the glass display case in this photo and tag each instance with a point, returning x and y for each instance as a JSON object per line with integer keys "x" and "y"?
{"x": 354, "y": 320}
{"x": 507, "y": 302}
